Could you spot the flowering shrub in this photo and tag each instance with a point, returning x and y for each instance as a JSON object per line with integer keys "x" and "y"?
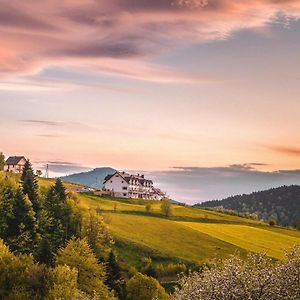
{"x": 257, "y": 277}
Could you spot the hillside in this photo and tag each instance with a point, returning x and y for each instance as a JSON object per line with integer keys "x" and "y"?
{"x": 92, "y": 178}
{"x": 191, "y": 235}
{"x": 281, "y": 204}
{"x": 189, "y": 238}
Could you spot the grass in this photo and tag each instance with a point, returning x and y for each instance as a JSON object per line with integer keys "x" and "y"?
{"x": 249, "y": 238}
{"x": 170, "y": 238}
{"x": 191, "y": 235}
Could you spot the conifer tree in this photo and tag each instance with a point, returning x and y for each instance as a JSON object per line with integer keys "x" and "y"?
{"x": 30, "y": 186}
{"x": 2, "y": 161}
{"x": 23, "y": 227}
{"x": 113, "y": 270}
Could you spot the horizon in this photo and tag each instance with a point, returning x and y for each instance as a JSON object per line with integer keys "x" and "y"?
{"x": 202, "y": 96}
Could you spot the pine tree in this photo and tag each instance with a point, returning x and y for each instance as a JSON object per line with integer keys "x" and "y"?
{"x": 55, "y": 221}
{"x": 30, "y": 186}
{"x": 18, "y": 222}
{"x": 113, "y": 270}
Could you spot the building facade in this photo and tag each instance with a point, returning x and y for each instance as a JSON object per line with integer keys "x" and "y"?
{"x": 15, "y": 164}
{"x": 125, "y": 185}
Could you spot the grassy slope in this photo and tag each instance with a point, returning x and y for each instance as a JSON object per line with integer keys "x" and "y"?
{"x": 193, "y": 235}
{"x": 247, "y": 237}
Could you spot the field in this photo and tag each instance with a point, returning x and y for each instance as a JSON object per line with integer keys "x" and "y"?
{"x": 254, "y": 239}
{"x": 190, "y": 235}
{"x": 193, "y": 236}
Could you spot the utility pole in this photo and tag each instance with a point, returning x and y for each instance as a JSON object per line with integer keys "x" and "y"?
{"x": 47, "y": 171}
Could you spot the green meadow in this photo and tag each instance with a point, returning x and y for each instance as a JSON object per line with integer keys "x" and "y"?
{"x": 190, "y": 235}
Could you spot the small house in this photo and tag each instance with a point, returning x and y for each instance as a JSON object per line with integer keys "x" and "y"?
{"x": 15, "y": 164}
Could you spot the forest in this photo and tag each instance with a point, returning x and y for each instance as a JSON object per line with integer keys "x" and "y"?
{"x": 281, "y": 205}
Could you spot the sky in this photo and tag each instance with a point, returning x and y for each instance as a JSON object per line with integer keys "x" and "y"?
{"x": 201, "y": 95}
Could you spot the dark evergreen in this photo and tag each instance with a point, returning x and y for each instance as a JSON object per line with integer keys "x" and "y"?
{"x": 113, "y": 276}
{"x": 18, "y": 222}
{"x": 30, "y": 186}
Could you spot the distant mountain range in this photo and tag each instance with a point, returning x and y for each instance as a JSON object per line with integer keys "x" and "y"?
{"x": 281, "y": 204}
{"x": 92, "y": 178}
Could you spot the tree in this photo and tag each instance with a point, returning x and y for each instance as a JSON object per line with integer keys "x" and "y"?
{"x": 148, "y": 207}
{"x": 55, "y": 220}
{"x": 2, "y": 161}
{"x": 166, "y": 208}
{"x": 97, "y": 234}
{"x": 18, "y": 224}
{"x": 30, "y": 186}
{"x": 143, "y": 287}
{"x": 62, "y": 283}
{"x": 39, "y": 173}
{"x": 113, "y": 278}
{"x": 91, "y": 274}
{"x": 257, "y": 277}
{"x": 20, "y": 277}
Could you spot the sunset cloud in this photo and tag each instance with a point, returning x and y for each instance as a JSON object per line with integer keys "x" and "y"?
{"x": 112, "y": 34}
{"x": 286, "y": 150}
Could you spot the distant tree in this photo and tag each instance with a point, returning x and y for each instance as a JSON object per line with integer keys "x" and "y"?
{"x": 143, "y": 287}
{"x": 97, "y": 234}
{"x": 30, "y": 186}
{"x": 115, "y": 206}
{"x": 166, "y": 208}
{"x": 272, "y": 222}
{"x": 297, "y": 226}
{"x": 2, "y": 161}
{"x": 39, "y": 173}
{"x": 91, "y": 274}
{"x": 148, "y": 207}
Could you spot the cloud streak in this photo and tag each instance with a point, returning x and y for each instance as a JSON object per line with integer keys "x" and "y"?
{"x": 109, "y": 36}
{"x": 197, "y": 184}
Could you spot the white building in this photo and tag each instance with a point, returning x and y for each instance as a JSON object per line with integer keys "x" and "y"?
{"x": 125, "y": 185}
{"x": 15, "y": 164}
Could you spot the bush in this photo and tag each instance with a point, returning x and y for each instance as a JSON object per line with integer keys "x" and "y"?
{"x": 256, "y": 277}
{"x": 142, "y": 287}
{"x": 166, "y": 208}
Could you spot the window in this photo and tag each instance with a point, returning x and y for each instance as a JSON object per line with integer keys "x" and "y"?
{"x": 122, "y": 181}
{"x": 125, "y": 188}
{"x": 111, "y": 181}
{"x": 125, "y": 195}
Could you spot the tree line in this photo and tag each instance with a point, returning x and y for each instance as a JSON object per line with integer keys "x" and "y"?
{"x": 282, "y": 205}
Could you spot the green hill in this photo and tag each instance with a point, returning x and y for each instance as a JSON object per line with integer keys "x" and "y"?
{"x": 281, "y": 204}
{"x": 192, "y": 236}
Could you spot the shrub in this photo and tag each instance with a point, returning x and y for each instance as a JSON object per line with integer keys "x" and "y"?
{"x": 257, "y": 277}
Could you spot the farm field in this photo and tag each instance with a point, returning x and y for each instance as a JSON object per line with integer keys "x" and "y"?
{"x": 249, "y": 238}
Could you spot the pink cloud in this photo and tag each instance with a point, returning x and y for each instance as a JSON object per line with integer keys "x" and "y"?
{"x": 119, "y": 36}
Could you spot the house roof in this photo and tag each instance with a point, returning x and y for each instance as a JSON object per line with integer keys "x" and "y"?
{"x": 14, "y": 160}
{"x": 127, "y": 177}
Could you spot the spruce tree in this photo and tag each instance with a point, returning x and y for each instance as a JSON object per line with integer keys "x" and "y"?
{"x": 30, "y": 186}
{"x": 113, "y": 270}
{"x": 55, "y": 220}
{"x": 20, "y": 232}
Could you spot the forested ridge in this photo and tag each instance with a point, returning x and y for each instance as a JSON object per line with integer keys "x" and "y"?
{"x": 281, "y": 204}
